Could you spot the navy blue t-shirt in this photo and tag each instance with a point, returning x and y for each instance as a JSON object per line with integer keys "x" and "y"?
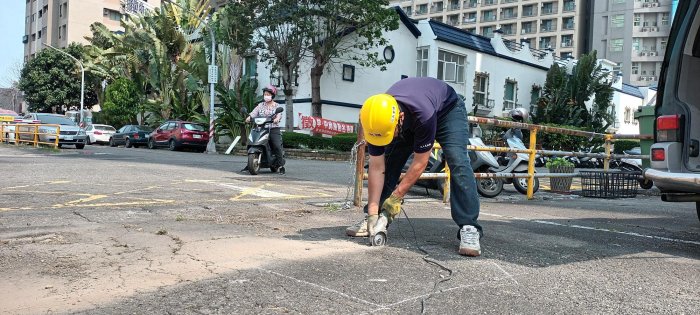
{"x": 423, "y": 100}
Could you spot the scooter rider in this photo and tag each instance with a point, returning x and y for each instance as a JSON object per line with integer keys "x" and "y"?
{"x": 267, "y": 108}
{"x": 412, "y": 114}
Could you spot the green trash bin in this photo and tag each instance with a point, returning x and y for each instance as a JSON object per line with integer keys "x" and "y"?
{"x": 645, "y": 115}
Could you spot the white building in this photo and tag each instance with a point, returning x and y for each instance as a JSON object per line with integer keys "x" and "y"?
{"x": 493, "y": 74}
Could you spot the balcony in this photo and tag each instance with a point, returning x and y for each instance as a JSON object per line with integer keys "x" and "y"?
{"x": 436, "y": 9}
{"x": 550, "y": 27}
{"x": 567, "y": 44}
{"x": 568, "y": 26}
{"x": 569, "y": 7}
{"x": 469, "y": 4}
{"x": 489, "y": 2}
{"x": 527, "y": 30}
{"x": 488, "y": 18}
{"x": 551, "y": 9}
{"x": 421, "y": 11}
{"x": 454, "y": 6}
{"x": 469, "y": 20}
{"x": 508, "y": 15}
{"x": 508, "y": 1}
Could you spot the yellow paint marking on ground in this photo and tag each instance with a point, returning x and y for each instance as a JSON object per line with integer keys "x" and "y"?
{"x": 121, "y": 204}
{"x": 23, "y": 186}
{"x": 137, "y": 190}
{"x": 45, "y": 192}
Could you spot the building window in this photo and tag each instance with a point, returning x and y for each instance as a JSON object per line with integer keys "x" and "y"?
{"x": 422, "y": 62}
{"x": 481, "y": 85}
{"x": 548, "y": 26}
{"x": 530, "y": 10}
{"x": 637, "y": 20}
{"x": 510, "y": 96}
{"x": 628, "y": 115}
{"x": 489, "y": 16}
{"x": 664, "y": 19}
{"x": 527, "y": 27}
{"x": 451, "y": 67}
{"x": 635, "y": 68}
{"x": 546, "y": 43}
{"x": 567, "y": 41}
{"x": 487, "y": 31}
{"x": 349, "y": 73}
{"x": 535, "y": 94}
{"x": 617, "y": 44}
{"x": 664, "y": 42}
{"x": 567, "y": 23}
{"x": 112, "y": 15}
{"x": 39, "y": 35}
{"x": 618, "y": 20}
{"x": 636, "y": 43}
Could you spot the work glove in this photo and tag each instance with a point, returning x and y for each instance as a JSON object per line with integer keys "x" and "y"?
{"x": 392, "y": 206}
{"x": 371, "y": 223}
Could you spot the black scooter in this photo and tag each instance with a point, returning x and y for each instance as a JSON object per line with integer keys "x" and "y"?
{"x": 259, "y": 151}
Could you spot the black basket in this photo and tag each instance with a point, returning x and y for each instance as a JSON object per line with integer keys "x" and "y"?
{"x": 614, "y": 184}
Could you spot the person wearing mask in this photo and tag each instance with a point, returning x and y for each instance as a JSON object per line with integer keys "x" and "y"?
{"x": 266, "y": 108}
{"x": 408, "y": 119}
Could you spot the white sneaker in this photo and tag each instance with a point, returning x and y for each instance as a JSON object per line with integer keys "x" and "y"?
{"x": 358, "y": 229}
{"x": 469, "y": 241}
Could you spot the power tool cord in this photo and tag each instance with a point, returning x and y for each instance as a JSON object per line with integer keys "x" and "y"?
{"x": 427, "y": 259}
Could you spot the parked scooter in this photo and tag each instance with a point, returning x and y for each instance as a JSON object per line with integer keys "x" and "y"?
{"x": 259, "y": 151}
{"x": 517, "y": 162}
{"x": 635, "y": 165}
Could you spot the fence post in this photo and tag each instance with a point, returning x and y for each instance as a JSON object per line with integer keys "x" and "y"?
{"x": 58, "y": 134}
{"x": 446, "y": 187}
{"x": 36, "y": 136}
{"x": 531, "y": 165}
{"x": 17, "y": 131}
{"x": 359, "y": 167}
{"x": 606, "y": 161}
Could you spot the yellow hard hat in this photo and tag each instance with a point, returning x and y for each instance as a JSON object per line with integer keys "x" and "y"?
{"x": 379, "y": 116}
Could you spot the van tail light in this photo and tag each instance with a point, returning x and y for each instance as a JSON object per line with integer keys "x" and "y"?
{"x": 668, "y": 128}
{"x": 136, "y": 135}
{"x": 658, "y": 155}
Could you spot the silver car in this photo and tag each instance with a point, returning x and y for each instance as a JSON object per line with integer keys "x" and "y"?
{"x": 675, "y": 156}
{"x": 70, "y": 133}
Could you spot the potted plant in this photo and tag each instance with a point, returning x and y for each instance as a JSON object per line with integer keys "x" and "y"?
{"x": 560, "y": 165}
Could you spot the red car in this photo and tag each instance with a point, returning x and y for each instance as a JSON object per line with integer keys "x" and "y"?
{"x": 177, "y": 134}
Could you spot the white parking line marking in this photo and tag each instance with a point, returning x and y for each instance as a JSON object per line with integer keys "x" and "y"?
{"x": 583, "y": 227}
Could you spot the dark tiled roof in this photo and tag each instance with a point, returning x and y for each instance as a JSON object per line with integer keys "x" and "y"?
{"x": 462, "y": 38}
{"x": 453, "y": 35}
{"x": 631, "y": 90}
{"x": 410, "y": 23}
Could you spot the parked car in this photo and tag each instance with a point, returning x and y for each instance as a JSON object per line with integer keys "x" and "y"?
{"x": 675, "y": 156}
{"x": 131, "y": 136}
{"x": 178, "y": 134}
{"x": 70, "y": 133}
{"x": 99, "y": 133}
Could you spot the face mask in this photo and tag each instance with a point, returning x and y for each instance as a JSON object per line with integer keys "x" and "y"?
{"x": 267, "y": 98}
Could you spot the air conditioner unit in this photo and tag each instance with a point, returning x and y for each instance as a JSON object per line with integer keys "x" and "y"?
{"x": 643, "y": 53}
{"x": 644, "y": 29}
{"x": 654, "y": 4}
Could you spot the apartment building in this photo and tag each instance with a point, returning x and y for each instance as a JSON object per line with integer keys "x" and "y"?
{"x": 633, "y": 33}
{"x": 61, "y": 22}
{"x": 559, "y": 25}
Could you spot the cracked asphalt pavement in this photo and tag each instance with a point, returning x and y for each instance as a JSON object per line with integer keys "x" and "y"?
{"x": 136, "y": 231}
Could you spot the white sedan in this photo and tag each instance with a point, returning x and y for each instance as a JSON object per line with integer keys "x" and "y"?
{"x": 99, "y": 133}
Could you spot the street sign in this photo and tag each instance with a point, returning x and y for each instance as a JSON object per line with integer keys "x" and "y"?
{"x": 213, "y": 74}
{"x": 7, "y": 118}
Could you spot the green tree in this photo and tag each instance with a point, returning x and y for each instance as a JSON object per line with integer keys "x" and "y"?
{"x": 565, "y": 96}
{"x": 122, "y": 104}
{"x": 51, "y": 81}
{"x": 346, "y": 30}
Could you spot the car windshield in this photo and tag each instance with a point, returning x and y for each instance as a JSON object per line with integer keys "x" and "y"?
{"x": 107, "y": 128}
{"x": 55, "y": 120}
{"x": 194, "y": 127}
{"x": 144, "y": 128}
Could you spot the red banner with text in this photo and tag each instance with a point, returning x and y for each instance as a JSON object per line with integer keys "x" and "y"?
{"x": 324, "y": 126}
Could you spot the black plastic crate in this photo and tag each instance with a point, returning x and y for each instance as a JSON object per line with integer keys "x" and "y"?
{"x": 611, "y": 184}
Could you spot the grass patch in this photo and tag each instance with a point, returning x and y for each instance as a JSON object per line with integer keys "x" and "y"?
{"x": 179, "y": 218}
{"x": 162, "y": 232}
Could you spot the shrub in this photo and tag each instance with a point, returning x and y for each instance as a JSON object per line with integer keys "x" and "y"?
{"x": 340, "y": 142}
{"x": 557, "y": 162}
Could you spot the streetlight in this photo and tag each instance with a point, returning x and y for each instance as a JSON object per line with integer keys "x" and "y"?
{"x": 213, "y": 74}
{"x": 82, "y": 79}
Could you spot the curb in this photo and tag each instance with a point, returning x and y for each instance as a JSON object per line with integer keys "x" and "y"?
{"x": 320, "y": 155}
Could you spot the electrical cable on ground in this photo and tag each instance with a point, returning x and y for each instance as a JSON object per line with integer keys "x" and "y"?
{"x": 427, "y": 259}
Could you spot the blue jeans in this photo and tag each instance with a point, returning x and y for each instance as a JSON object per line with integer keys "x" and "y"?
{"x": 453, "y": 135}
